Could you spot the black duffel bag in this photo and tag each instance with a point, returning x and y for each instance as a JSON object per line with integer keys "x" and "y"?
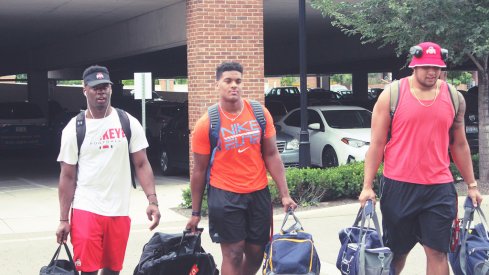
{"x": 175, "y": 254}
{"x": 60, "y": 267}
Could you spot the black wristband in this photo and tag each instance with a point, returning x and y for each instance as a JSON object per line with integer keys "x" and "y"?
{"x": 196, "y": 213}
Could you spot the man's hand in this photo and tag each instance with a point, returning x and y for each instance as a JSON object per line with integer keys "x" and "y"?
{"x": 475, "y": 196}
{"x": 62, "y": 232}
{"x": 366, "y": 194}
{"x": 153, "y": 215}
{"x": 288, "y": 203}
{"x": 192, "y": 223}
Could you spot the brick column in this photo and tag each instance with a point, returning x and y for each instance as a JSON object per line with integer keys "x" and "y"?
{"x": 217, "y": 31}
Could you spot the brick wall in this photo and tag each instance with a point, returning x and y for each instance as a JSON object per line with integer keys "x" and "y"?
{"x": 217, "y": 31}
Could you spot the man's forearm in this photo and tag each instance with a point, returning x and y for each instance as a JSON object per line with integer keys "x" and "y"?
{"x": 146, "y": 178}
{"x": 373, "y": 159}
{"x": 463, "y": 160}
{"x": 197, "y": 186}
{"x": 66, "y": 193}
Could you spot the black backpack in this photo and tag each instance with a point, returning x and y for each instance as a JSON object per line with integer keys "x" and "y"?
{"x": 126, "y": 127}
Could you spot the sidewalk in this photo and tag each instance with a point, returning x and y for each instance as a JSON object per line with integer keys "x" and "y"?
{"x": 29, "y": 217}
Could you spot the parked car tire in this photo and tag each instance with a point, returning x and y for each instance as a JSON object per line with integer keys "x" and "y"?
{"x": 330, "y": 159}
{"x": 165, "y": 165}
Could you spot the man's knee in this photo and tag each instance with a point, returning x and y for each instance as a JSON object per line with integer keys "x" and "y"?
{"x": 233, "y": 253}
{"x": 435, "y": 255}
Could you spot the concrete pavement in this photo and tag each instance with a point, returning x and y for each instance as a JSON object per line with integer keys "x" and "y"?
{"x": 29, "y": 216}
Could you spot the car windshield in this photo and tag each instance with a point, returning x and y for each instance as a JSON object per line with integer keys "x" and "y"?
{"x": 348, "y": 119}
{"x": 19, "y": 110}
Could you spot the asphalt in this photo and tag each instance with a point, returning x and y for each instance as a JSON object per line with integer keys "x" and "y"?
{"x": 29, "y": 217}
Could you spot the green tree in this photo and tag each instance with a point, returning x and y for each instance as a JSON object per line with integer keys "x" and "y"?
{"x": 343, "y": 79}
{"x": 287, "y": 80}
{"x": 461, "y": 26}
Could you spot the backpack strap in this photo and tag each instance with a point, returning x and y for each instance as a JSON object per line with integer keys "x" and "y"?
{"x": 126, "y": 127}
{"x": 214, "y": 129}
{"x": 454, "y": 95}
{"x": 81, "y": 129}
{"x": 259, "y": 115}
{"x": 394, "y": 88}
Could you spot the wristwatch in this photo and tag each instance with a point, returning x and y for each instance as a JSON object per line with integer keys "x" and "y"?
{"x": 472, "y": 185}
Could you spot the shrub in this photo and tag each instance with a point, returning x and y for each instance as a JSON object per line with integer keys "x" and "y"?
{"x": 187, "y": 201}
{"x": 456, "y": 174}
{"x": 312, "y": 185}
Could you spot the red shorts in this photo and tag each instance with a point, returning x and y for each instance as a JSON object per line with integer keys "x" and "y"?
{"x": 98, "y": 241}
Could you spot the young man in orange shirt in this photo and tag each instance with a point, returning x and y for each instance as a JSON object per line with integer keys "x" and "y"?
{"x": 238, "y": 197}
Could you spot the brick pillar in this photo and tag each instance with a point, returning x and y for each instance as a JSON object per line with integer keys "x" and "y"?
{"x": 217, "y": 31}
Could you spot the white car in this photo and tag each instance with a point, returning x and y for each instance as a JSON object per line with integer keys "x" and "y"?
{"x": 338, "y": 134}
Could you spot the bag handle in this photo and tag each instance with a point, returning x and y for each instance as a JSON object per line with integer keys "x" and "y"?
{"x": 54, "y": 260}
{"x": 186, "y": 232}
{"x": 466, "y": 222}
{"x": 297, "y": 226}
{"x": 368, "y": 213}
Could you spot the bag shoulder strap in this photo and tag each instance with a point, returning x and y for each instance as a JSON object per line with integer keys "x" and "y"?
{"x": 80, "y": 130}
{"x": 259, "y": 115}
{"x": 126, "y": 127}
{"x": 455, "y": 97}
{"x": 214, "y": 129}
{"x": 394, "y": 88}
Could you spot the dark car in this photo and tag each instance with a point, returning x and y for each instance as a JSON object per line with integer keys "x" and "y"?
{"x": 174, "y": 145}
{"x": 290, "y": 97}
{"x": 22, "y": 125}
{"x": 472, "y": 118}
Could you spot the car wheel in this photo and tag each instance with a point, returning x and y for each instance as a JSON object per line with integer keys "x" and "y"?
{"x": 165, "y": 163}
{"x": 330, "y": 159}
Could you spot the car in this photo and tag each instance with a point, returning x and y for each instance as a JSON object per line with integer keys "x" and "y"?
{"x": 338, "y": 134}
{"x": 320, "y": 96}
{"x": 174, "y": 146}
{"x": 290, "y": 97}
{"x": 472, "y": 118}
{"x": 373, "y": 93}
{"x": 22, "y": 126}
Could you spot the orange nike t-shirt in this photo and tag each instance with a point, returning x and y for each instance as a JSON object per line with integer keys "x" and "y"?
{"x": 238, "y": 163}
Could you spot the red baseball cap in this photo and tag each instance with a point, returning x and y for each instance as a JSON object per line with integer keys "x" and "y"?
{"x": 427, "y": 54}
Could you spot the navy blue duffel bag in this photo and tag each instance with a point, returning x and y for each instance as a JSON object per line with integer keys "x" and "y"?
{"x": 291, "y": 251}
{"x": 471, "y": 257}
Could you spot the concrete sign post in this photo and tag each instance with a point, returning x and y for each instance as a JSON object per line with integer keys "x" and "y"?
{"x": 143, "y": 90}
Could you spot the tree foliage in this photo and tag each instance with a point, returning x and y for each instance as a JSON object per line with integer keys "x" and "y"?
{"x": 461, "y": 26}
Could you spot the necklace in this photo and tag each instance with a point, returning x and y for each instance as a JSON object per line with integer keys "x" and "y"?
{"x": 413, "y": 91}
{"x": 90, "y": 111}
{"x": 232, "y": 119}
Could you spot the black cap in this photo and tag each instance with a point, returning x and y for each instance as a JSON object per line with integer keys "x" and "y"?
{"x": 95, "y": 75}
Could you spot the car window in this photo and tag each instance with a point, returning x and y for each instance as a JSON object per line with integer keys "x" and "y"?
{"x": 348, "y": 119}
{"x": 294, "y": 119}
{"x": 19, "y": 110}
{"x": 313, "y": 117}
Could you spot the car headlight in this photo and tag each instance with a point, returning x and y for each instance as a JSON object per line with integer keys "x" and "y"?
{"x": 292, "y": 145}
{"x": 354, "y": 142}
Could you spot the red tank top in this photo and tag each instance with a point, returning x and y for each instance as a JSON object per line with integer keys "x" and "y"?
{"x": 418, "y": 149}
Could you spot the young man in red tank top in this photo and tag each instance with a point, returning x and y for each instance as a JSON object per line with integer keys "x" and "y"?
{"x": 418, "y": 198}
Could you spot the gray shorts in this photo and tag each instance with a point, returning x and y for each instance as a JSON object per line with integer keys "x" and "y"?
{"x": 413, "y": 213}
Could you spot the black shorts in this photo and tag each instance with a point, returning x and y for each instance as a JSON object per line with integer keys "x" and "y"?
{"x": 413, "y": 213}
{"x": 234, "y": 217}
